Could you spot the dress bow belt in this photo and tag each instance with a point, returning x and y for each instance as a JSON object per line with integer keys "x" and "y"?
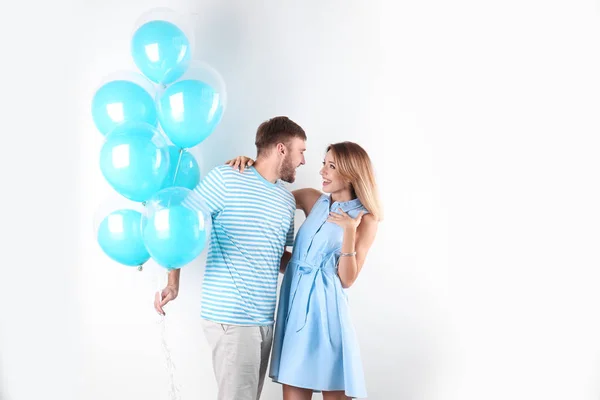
{"x": 305, "y": 270}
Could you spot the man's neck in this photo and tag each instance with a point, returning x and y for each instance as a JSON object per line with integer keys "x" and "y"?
{"x": 267, "y": 169}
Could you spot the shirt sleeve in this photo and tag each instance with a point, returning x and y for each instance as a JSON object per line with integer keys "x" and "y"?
{"x": 213, "y": 191}
{"x": 289, "y": 240}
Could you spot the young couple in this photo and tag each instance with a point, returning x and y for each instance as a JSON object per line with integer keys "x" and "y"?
{"x": 314, "y": 346}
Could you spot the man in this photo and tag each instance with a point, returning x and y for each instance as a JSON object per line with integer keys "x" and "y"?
{"x": 252, "y": 222}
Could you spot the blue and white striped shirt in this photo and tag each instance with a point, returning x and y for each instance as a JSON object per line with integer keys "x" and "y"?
{"x": 252, "y": 222}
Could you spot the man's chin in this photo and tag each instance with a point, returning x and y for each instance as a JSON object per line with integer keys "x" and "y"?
{"x": 290, "y": 179}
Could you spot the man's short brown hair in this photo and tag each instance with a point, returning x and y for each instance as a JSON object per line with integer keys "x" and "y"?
{"x": 277, "y": 130}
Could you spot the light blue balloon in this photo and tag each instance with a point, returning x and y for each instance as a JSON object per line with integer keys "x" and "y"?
{"x": 188, "y": 173}
{"x": 189, "y": 111}
{"x": 175, "y": 228}
{"x": 135, "y": 160}
{"x": 161, "y": 51}
{"x": 120, "y": 237}
{"x": 121, "y": 101}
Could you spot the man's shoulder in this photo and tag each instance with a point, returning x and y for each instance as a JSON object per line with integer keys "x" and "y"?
{"x": 221, "y": 169}
{"x": 226, "y": 173}
{"x": 287, "y": 195}
{"x": 283, "y": 187}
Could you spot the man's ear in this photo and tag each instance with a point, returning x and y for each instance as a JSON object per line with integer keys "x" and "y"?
{"x": 281, "y": 148}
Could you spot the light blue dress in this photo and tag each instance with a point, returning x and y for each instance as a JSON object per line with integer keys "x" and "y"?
{"x": 315, "y": 345}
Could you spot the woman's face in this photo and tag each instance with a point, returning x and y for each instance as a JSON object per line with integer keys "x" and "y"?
{"x": 332, "y": 181}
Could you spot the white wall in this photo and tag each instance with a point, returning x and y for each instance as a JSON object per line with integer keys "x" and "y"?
{"x": 482, "y": 121}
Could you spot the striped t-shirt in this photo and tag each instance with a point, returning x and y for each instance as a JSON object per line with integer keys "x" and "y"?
{"x": 252, "y": 222}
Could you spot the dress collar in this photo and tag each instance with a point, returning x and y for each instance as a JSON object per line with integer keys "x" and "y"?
{"x": 345, "y": 206}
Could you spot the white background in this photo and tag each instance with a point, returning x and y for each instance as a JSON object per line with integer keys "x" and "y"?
{"x": 481, "y": 119}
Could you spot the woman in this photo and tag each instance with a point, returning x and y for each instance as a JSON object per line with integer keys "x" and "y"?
{"x": 315, "y": 348}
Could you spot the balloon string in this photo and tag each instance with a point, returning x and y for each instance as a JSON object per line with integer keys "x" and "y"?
{"x": 170, "y": 365}
{"x": 175, "y": 175}
{"x": 177, "y": 168}
{"x": 141, "y": 266}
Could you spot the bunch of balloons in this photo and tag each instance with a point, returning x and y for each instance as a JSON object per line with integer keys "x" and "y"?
{"x": 149, "y": 121}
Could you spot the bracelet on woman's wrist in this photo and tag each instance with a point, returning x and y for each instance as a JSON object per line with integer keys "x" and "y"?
{"x": 348, "y": 254}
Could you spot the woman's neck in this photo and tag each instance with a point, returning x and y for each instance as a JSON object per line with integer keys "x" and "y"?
{"x": 341, "y": 196}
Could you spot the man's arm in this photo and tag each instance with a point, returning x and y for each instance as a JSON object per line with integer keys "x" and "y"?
{"x": 169, "y": 293}
{"x": 213, "y": 191}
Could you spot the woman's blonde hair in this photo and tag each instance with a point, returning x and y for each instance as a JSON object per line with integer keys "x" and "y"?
{"x": 354, "y": 165}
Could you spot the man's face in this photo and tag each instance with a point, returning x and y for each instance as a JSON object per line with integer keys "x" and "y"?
{"x": 294, "y": 157}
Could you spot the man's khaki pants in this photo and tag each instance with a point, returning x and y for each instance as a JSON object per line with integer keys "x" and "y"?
{"x": 240, "y": 355}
